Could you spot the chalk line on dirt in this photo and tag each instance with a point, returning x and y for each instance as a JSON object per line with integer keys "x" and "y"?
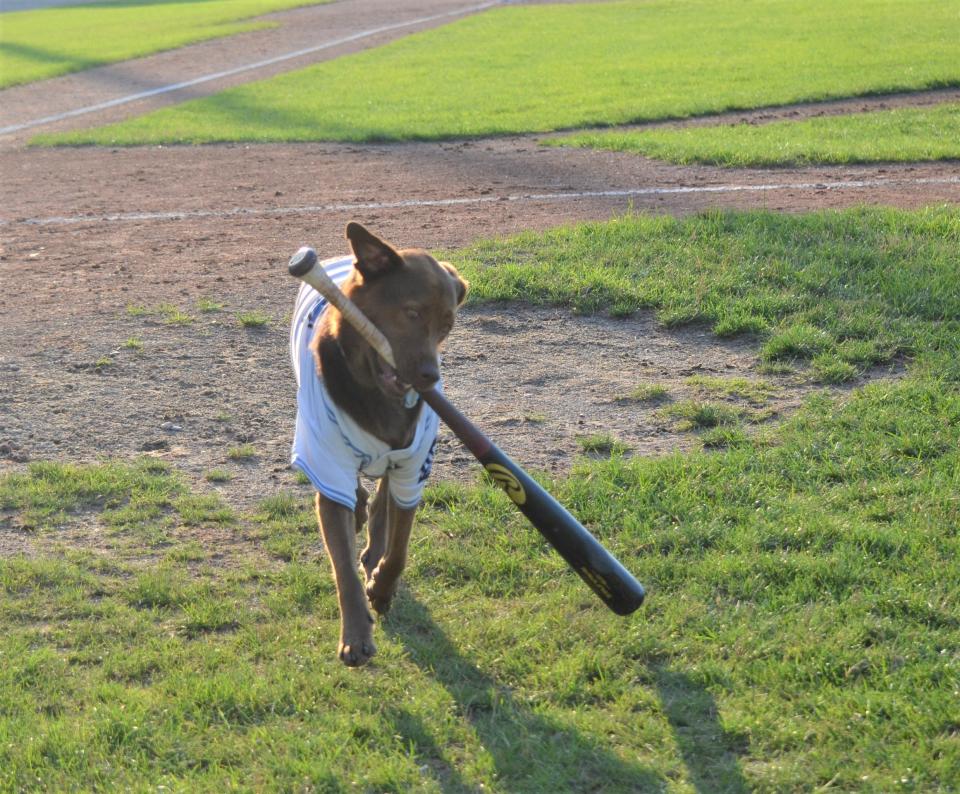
{"x": 244, "y": 68}
{"x": 126, "y": 217}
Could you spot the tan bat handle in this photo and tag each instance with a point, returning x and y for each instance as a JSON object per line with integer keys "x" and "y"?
{"x": 305, "y": 266}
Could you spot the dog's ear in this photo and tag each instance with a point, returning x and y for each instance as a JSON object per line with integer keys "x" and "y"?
{"x": 374, "y": 256}
{"x": 459, "y": 282}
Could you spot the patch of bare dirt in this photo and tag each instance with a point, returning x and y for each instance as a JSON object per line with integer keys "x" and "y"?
{"x": 537, "y": 380}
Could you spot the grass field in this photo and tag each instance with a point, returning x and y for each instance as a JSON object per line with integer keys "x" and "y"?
{"x": 38, "y": 44}
{"x": 907, "y": 135}
{"x": 543, "y": 68}
{"x": 853, "y": 288}
{"x": 801, "y": 630}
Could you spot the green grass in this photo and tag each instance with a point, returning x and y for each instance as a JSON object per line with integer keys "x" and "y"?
{"x": 174, "y": 315}
{"x": 243, "y": 452}
{"x": 207, "y": 305}
{"x": 755, "y": 392}
{"x": 801, "y": 628}
{"x": 602, "y": 444}
{"x": 543, "y": 68}
{"x": 254, "y": 319}
{"x": 865, "y": 287}
{"x": 645, "y": 393}
{"x": 38, "y": 44}
{"x": 696, "y": 415}
{"x": 907, "y": 135}
{"x": 800, "y": 632}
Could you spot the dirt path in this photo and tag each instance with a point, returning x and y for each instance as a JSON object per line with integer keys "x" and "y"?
{"x": 529, "y": 376}
{"x": 87, "y": 232}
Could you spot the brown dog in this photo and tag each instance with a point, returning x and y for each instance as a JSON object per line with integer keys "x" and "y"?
{"x": 355, "y": 414}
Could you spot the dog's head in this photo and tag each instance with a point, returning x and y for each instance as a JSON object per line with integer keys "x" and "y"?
{"x": 412, "y": 298}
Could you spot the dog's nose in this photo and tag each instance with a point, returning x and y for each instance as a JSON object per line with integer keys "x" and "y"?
{"x": 427, "y": 375}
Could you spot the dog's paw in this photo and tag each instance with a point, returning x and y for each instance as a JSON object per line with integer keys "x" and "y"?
{"x": 356, "y": 647}
{"x": 380, "y": 592}
{"x": 370, "y": 559}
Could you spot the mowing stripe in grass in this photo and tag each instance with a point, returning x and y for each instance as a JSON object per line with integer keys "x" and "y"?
{"x": 166, "y": 89}
{"x": 122, "y": 217}
{"x": 900, "y": 135}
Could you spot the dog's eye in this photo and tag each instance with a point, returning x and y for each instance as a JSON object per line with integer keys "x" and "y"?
{"x": 413, "y": 314}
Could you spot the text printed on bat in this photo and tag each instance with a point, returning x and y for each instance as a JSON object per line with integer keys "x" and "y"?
{"x": 503, "y": 477}
{"x": 598, "y": 583}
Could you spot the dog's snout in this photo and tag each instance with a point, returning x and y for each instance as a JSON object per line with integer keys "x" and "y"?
{"x": 427, "y": 375}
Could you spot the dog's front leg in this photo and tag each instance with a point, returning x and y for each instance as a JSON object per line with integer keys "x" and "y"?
{"x": 356, "y": 624}
{"x": 383, "y": 582}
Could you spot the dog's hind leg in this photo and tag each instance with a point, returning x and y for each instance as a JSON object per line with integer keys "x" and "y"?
{"x": 377, "y": 528}
{"x": 356, "y": 624}
{"x": 382, "y": 583}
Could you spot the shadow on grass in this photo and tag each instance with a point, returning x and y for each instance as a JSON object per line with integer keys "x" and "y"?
{"x": 710, "y": 753}
{"x": 533, "y": 752}
{"x": 529, "y": 751}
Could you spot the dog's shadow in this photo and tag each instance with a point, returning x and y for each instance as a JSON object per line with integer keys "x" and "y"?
{"x": 531, "y": 751}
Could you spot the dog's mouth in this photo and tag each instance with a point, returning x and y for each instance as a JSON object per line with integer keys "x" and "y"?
{"x": 390, "y": 380}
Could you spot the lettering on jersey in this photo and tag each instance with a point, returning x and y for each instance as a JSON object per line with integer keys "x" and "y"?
{"x": 427, "y": 466}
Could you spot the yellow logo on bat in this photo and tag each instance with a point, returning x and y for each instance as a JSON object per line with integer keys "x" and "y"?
{"x": 505, "y": 479}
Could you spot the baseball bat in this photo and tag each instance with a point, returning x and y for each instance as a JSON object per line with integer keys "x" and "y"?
{"x": 601, "y": 571}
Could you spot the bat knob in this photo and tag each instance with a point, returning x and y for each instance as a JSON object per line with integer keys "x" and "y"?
{"x": 302, "y": 262}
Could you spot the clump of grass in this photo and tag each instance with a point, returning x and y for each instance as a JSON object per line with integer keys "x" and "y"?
{"x": 254, "y": 319}
{"x": 776, "y": 368}
{"x": 830, "y": 368}
{"x": 218, "y": 476}
{"x": 186, "y": 552}
{"x": 198, "y": 509}
{"x": 696, "y": 415}
{"x": 723, "y": 437}
{"x": 602, "y": 444}
{"x": 156, "y": 589}
{"x": 206, "y": 305}
{"x": 242, "y": 452}
{"x": 103, "y": 362}
{"x": 757, "y": 392}
{"x": 136, "y": 310}
{"x": 280, "y": 506}
{"x": 208, "y": 614}
{"x": 300, "y": 478}
{"x": 535, "y": 418}
{"x": 740, "y": 322}
{"x": 445, "y": 496}
{"x": 223, "y": 416}
{"x": 797, "y": 341}
{"x": 646, "y": 393}
{"x": 174, "y": 315}
{"x": 134, "y": 343}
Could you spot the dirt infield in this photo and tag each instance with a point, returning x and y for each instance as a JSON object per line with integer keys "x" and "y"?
{"x": 87, "y": 232}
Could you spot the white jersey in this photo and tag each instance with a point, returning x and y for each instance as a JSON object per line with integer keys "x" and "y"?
{"x": 328, "y": 445}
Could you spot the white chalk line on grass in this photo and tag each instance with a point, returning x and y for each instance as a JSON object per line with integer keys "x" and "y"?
{"x": 240, "y": 69}
{"x": 127, "y": 217}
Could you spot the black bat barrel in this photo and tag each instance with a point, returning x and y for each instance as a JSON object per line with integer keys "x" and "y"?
{"x": 602, "y": 572}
